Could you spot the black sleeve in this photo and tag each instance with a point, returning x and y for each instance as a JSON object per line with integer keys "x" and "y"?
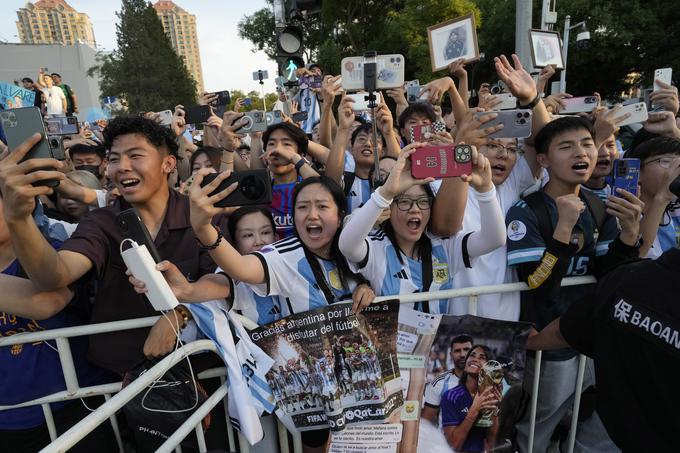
{"x": 576, "y": 324}
{"x": 545, "y": 276}
{"x": 617, "y": 254}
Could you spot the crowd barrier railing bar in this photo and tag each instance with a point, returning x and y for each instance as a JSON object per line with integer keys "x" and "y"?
{"x": 104, "y": 412}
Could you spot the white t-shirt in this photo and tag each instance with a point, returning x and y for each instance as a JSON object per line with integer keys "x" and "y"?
{"x": 53, "y": 98}
{"x": 439, "y": 385}
{"x": 492, "y": 268}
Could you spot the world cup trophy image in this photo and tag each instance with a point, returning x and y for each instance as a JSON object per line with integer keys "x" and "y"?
{"x": 491, "y": 375}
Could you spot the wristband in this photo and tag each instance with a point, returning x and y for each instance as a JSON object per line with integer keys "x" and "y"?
{"x": 227, "y": 149}
{"x": 534, "y": 102}
{"x": 184, "y": 316}
{"x": 215, "y": 244}
{"x": 300, "y": 164}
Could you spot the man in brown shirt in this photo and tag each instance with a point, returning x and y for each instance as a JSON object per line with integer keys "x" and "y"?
{"x": 141, "y": 156}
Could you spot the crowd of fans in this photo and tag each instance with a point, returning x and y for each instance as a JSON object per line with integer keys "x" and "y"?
{"x": 535, "y": 210}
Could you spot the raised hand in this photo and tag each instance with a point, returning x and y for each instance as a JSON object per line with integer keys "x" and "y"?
{"x": 398, "y": 95}
{"x": 628, "y": 208}
{"x": 436, "y": 89}
{"x": 17, "y": 178}
{"x": 330, "y": 88}
{"x": 346, "y": 113}
{"x": 231, "y": 122}
{"x": 554, "y": 103}
{"x": 481, "y": 178}
{"x": 384, "y": 120}
{"x": 179, "y": 123}
{"x": 519, "y": 81}
{"x": 207, "y": 98}
{"x": 607, "y": 121}
{"x": 662, "y": 123}
{"x": 202, "y": 205}
{"x": 400, "y": 178}
{"x": 666, "y": 97}
{"x": 470, "y": 131}
{"x": 457, "y": 68}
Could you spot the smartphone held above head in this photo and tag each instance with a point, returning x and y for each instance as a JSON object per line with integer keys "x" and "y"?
{"x": 441, "y": 161}
{"x": 516, "y": 123}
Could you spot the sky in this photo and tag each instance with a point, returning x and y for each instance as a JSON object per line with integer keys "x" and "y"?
{"x": 227, "y": 60}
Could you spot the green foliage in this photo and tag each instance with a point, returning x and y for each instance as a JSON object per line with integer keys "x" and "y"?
{"x": 629, "y": 38}
{"x": 256, "y": 100}
{"x": 144, "y": 69}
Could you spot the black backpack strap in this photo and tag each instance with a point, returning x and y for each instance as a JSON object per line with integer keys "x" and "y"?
{"x": 597, "y": 210}
{"x": 348, "y": 180}
{"x": 537, "y": 203}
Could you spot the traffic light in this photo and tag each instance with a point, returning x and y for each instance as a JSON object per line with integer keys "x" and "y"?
{"x": 289, "y": 53}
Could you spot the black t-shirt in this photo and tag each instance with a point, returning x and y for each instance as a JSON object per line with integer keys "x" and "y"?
{"x": 631, "y": 328}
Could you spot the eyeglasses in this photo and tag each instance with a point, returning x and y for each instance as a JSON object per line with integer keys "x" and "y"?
{"x": 405, "y": 204}
{"x": 500, "y": 149}
{"x": 664, "y": 162}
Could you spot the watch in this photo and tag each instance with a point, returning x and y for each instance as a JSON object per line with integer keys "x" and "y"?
{"x": 300, "y": 164}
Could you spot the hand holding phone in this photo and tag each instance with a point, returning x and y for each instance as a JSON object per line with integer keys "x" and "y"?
{"x": 516, "y": 123}
{"x": 132, "y": 227}
{"x": 254, "y": 188}
{"x": 625, "y": 175}
{"x": 663, "y": 74}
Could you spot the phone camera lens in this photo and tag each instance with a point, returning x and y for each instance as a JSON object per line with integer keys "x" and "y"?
{"x": 522, "y": 121}
{"x": 526, "y": 114}
{"x": 252, "y": 188}
{"x": 519, "y": 115}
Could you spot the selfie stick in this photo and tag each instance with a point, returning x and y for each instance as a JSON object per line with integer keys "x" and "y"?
{"x": 260, "y": 76}
{"x": 370, "y": 85}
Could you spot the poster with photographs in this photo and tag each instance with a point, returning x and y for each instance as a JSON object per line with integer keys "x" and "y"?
{"x": 13, "y": 96}
{"x": 453, "y": 40}
{"x": 435, "y": 352}
{"x": 332, "y": 368}
{"x": 546, "y": 48}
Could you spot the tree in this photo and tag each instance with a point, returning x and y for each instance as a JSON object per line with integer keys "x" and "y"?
{"x": 144, "y": 69}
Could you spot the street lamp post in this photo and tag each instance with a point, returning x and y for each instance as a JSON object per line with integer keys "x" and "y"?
{"x": 565, "y": 50}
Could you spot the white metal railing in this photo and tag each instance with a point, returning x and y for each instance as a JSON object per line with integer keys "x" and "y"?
{"x": 113, "y": 404}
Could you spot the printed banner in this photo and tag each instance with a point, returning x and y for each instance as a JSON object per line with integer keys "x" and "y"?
{"x": 465, "y": 357}
{"x": 333, "y": 368}
{"x": 12, "y": 96}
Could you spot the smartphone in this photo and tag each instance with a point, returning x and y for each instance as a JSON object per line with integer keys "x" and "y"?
{"x": 223, "y": 98}
{"x": 360, "y": 101}
{"x": 165, "y": 117}
{"x": 18, "y": 125}
{"x": 441, "y": 161}
{"x": 197, "y": 114}
{"x": 132, "y": 227}
{"x": 255, "y": 121}
{"x": 508, "y": 101}
{"x": 625, "y": 175}
{"x": 638, "y": 113}
{"x": 299, "y": 116}
{"x": 62, "y": 125}
{"x": 273, "y": 117}
{"x": 389, "y": 71}
{"x": 424, "y": 132}
{"x": 663, "y": 74}
{"x": 248, "y": 102}
{"x": 413, "y": 94}
{"x": 310, "y": 81}
{"x": 583, "y": 104}
{"x": 254, "y": 188}
{"x": 517, "y": 123}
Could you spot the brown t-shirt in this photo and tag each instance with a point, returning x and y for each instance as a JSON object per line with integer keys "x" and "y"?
{"x": 98, "y": 238}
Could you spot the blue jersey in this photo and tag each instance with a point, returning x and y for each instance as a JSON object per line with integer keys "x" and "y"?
{"x": 33, "y": 370}
{"x": 526, "y": 248}
{"x": 454, "y": 406}
{"x": 290, "y": 278}
{"x": 389, "y": 275}
{"x": 602, "y": 193}
{"x": 282, "y": 208}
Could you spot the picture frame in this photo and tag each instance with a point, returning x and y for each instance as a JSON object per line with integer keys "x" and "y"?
{"x": 453, "y": 40}
{"x": 546, "y": 48}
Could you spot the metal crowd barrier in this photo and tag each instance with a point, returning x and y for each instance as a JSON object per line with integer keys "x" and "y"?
{"x": 114, "y": 403}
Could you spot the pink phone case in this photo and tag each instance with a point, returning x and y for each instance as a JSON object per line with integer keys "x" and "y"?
{"x": 443, "y": 161}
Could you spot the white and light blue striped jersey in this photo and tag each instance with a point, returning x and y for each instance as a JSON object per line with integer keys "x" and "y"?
{"x": 358, "y": 194}
{"x": 310, "y": 104}
{"x": 259, "y": 309}
{"x": 289, "y": 277}
{"x": 388, "y": 276}
{"x": 602, "y": 193}
{"x": 439, "y": 385}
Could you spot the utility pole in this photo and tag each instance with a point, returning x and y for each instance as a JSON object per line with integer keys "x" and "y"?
{"x": 522, "y": 27}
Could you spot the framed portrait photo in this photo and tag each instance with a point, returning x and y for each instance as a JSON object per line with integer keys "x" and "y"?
{"x": 546, "y": 48}
{"x": 453, "y": 40}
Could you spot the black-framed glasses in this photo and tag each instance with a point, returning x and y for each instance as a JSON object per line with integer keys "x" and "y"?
{"x": 405, "y": 204}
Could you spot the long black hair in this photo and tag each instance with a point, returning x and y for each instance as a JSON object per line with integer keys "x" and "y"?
{"x": 423, "y": 245}
{"x": 341, "y": 202}
{"x": 489, "y": 356}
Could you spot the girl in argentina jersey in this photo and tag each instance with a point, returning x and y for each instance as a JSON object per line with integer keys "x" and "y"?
{"x": 304, "y": 271}
{"x": 402, "y": 257}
